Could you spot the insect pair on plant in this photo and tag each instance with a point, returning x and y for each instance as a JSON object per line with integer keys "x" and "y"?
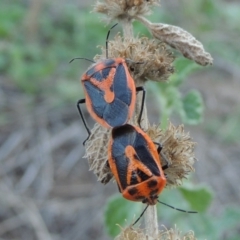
{"x": 134, "y": 159}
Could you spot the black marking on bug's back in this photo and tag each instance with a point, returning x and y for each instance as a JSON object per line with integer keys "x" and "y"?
{"x": 108, "y": 62}
{"x": 133, "y": 191}
{"x": 134, "y": 175}
{"x": 105, "y": 73}
{"x": 101, "y": 75}
{"x": 142, "y": 175}
{"x": 153, "y": 183}
{"x": 138, "y": 173}
{"x": 122, "y": 167}
{"x": 144, "y": 154}
{"x": 97, "y": 98}
{"x": 124, "y": 135}
{"x": 120, "y": 86}
{"x": 115, "y": 113}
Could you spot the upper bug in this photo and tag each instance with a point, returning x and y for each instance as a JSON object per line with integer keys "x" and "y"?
{"x": 110, "y": 92}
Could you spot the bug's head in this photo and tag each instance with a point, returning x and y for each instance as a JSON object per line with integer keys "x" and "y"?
{"x": 151, "y": 200}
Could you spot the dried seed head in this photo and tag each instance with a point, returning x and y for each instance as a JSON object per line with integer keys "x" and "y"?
{"x": 178, "y": 148}
{"x": 130, "y": 233}
{"x": 149, "y": 58}
{"x": 122, "y": 9}
{"x": 176, "y": 234}
{"x": 96, "y": 153}
{"x": 179, "y": 39}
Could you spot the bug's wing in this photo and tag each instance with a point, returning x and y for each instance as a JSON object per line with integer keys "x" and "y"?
{"x": 96, "y": 95}
{"x": 120, "y": 86}
{"x": 122, "y": 137}
{"x": 143, "y": 151}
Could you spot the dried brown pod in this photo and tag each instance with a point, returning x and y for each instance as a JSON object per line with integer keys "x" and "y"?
{"x": 121, "y": 9}
{"x": 179, "y": 39}
{"x": 149, "y": 59}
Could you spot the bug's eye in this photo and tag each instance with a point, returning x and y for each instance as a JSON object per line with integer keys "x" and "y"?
{"x": 131, "y": 68}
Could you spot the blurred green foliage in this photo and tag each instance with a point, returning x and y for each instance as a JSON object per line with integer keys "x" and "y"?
{"x": 121, "y": 212}
{"x": 35, "y": 54}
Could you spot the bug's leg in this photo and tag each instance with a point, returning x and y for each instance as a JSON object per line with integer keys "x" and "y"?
{"x": 141, "y": 215}
{"x": 162, "y": 156}
{"x": 165, "y": 160}
{"x": 159, "y": 148}
{"x": 138, "y": 89}
{"x": 82, "y": 117}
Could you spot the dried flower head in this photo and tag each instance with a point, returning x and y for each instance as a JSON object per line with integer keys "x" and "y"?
{"x": 176, "y": 234}
{"x": 96, "y": 153}
{"x": 179, "y": 39}
{"x": 130, "y": 233}
{"x": 122, "y": 9}
{"x": 178, "y": 148}
{"x": 146, "y": 58}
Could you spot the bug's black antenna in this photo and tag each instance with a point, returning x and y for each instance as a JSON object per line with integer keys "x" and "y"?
{"x": 178, "y": 209}
{"x": 107, "y": 38}
{"x": 141, "y": 215}
{"x": 82, "y": 58}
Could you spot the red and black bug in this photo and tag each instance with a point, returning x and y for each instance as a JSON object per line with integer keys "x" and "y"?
{"x": 135, "y": 163}
{"x": 110, "y": 92}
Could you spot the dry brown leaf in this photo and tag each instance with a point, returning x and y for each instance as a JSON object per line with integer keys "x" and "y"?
{"x": 179, "y": 39}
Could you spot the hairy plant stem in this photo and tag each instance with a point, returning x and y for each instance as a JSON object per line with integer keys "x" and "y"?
{"x": 150, "y": 216}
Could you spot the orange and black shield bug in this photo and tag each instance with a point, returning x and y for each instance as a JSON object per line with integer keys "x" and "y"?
{"x": 110, "y": 92}
{"x": 134, "y": 161}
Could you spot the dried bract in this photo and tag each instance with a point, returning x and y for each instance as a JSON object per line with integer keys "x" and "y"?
{"x": 178, "y": 148}
{"x": 181, "y": 40}
{"x": 147, "y": 59}
{"x": 130, "y": 233}
{"x": 176, "y": 234}
{"x": 96, "y": 153}
{"x": 122, "y": 9}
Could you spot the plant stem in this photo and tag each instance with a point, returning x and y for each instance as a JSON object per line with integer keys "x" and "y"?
{"x": 150, "y": 216}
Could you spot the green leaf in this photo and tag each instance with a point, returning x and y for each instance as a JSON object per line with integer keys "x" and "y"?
{"x": 199, "y": 197}
{"x": 183, "y": 67}
{"x": 119, "y": 211}
{"x": 192, "y": 108}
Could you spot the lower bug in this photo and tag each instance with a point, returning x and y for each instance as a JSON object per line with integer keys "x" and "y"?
{"x": 135, "y": 163}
